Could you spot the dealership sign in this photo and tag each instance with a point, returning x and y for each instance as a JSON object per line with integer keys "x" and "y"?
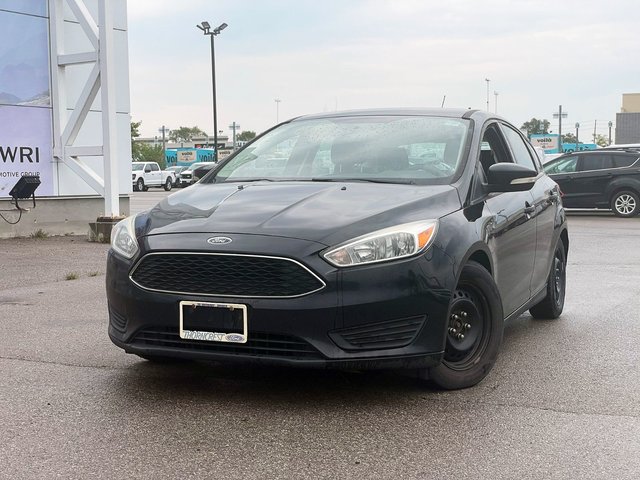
{"x": 549, "y": 142}
{"x": 25, "y": 147}
{"x": 186, "y": 156}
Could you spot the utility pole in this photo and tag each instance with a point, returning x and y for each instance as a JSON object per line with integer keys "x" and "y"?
{"x": 560, "y": 116}
{"x": 577, "y": 141}
{"x": 164, "y": 130}
{"x": 610, "y": 125}
{"x": 496, "y": 95}
{"x": 595, "y": 124}
{"x": 234, "y": 126}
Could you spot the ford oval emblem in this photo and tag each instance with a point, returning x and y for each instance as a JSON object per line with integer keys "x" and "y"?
{"x": 219, "y": 240}
{"x": 234, "y": 337}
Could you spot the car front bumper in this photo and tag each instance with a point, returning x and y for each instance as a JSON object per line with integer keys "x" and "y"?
{"x": 387, "y": 315}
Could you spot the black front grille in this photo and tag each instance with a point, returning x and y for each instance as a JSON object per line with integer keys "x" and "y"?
{"x": 374, "y": 336}
{"x": 258, "y": 344}
{"x": 223, "y": 274}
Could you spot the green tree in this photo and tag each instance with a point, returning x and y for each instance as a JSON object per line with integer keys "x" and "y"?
{"x": 185, "y": 134}
{"x": 535, "y": 126}
{"x": 135, "y": 145}
{"x": 569, "y": 138}
{"x": 152, "y": 153}
{"x": 601, "y": 140}
{"x": 245, "y": 136}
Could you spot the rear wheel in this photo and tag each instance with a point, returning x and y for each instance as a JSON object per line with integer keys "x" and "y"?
{"x": 553, "y": 304}
{"x": 474, "y": 331}
{"x": 168, "y": 185}
{"x": 625, "y": 203}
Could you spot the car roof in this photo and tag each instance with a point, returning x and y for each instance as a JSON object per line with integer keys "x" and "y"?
{"x": 478, "y": 115}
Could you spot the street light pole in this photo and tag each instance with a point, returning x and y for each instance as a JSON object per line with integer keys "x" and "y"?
{"x": 496, "y": 95}
{"x": 610, "y": 125}
{"x": 577, "y": 140}
{"x": 277, "y": 100}
{"x": 206, "y": 29}
{"x": 488, "y": 81}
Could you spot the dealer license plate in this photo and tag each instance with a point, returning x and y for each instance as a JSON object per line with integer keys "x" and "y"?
{"x": 213, "y": 322}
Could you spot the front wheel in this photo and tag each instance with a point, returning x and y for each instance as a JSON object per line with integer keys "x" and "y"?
{"x": 474, "y": 331}
{"x": 553, "y": 304}
{"x": 625, "y": 203}
{"x": 168, "y": 185}
{"x": 140, "y": 184}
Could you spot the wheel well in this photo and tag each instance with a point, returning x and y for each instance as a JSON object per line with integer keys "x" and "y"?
{"x": 622, "y": 189}
{"x": 483, "y": 259}
{"x": 564, "y": 238}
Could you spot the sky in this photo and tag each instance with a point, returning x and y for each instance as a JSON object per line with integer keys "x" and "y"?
{"x": 322, "y": 55}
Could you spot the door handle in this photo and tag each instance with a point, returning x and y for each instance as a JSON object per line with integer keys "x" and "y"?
{"x": 528, "y": 208}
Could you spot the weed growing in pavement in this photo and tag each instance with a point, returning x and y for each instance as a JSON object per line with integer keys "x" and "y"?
{"x": 39, "y": 234}
{"x": 71, "y": 276}
{"x": 94, "y": 274}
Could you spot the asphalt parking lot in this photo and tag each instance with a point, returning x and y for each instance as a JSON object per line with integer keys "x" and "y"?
{"x": 563, "y": 401}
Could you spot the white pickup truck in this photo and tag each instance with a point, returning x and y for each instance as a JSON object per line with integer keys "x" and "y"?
{"x": 148, "y": 174}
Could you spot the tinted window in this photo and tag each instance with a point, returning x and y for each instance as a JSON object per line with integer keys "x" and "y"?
{"x": 562, "y": 165}
{"x": 595, "y": 162}
{"x": 521, "y": 153}
{"x": 623, "y": 160}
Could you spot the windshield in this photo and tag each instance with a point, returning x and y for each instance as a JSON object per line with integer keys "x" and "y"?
{"x": 386, "y": 149}
{"x": 137, "y": 166}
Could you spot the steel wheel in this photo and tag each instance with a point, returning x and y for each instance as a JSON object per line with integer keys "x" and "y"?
{"x": 466, "y": 336}
{"x": 553, "y": 304}
{"x": 474, "y": 331}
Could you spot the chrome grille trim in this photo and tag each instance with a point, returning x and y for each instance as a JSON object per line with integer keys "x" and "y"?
{"x": 176, "y": 292}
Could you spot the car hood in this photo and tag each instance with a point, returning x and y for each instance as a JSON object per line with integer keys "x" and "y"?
{"x": 327, "y": 213}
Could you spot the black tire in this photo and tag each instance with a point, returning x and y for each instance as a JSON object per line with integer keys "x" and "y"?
{"x": 140, "y": 184}
{"x": 625, "y": 203}
{"x": 168, "y": 185}
{"x": 552, "y": 305}
{"x": 475, "y": 303}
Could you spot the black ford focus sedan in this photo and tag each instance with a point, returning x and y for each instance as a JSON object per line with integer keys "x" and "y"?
{"x": 364, "y": 239}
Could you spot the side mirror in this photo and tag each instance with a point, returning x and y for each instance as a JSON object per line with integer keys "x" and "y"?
{"x": 510, "y": 177}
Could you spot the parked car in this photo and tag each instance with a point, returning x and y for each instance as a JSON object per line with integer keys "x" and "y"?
{"x": 177, "y": 171}
{"x": 201, "y": 171}
{"x": 148, "y": 174}
{"x": 365, "y": 239}
{"x": 187, "y": 176}
{"x": 605, "y": 178}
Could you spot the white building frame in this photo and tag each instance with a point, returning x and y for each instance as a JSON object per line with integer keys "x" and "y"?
{"x": 67, "y": 126}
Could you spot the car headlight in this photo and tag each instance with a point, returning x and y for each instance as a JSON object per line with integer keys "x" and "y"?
{"x": 123, "y": 237}
{"x": 389, "y": 244}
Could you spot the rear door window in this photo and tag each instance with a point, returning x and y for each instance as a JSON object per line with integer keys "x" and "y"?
{"x": 595, "y": 162}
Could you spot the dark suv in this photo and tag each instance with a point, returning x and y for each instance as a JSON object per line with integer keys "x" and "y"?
{"x": 603, "y": 178}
